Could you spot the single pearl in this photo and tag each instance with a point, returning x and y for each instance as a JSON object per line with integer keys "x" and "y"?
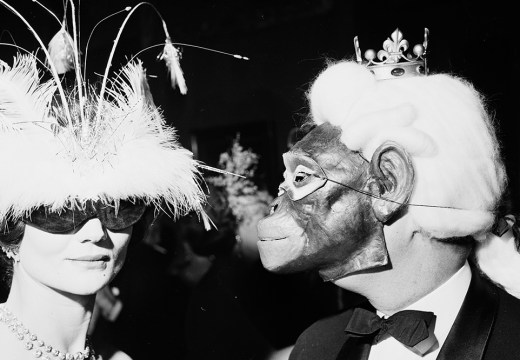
{"x": 370, "y": 54}
{"x": 418, "y": 50}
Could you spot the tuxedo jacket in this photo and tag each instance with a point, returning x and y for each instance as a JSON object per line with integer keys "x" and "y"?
{"x": 487, "y": 327}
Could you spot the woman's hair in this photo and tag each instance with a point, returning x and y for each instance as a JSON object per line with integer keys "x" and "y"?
{"x": 10, "y": 238}
{"x": 442, "y": 123}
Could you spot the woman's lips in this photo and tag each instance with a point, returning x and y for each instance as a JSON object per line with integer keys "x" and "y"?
{"x": 90, "y": 258}
{"x": 91, "y": 262}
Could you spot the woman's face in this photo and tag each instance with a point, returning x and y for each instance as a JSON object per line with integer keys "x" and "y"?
{"x": 80, "y": 262}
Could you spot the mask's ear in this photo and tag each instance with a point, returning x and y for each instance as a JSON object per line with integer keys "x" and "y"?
{"x": 392, "y": 178}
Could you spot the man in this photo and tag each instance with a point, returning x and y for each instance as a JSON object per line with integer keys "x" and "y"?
{"x": 387, "y": 197}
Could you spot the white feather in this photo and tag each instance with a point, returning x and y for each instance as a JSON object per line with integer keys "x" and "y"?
{"x": 23, "y": 99}
{"x": 171, "y": 57}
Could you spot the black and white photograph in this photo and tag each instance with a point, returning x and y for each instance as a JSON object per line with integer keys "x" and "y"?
{"x": 259, "y": 180}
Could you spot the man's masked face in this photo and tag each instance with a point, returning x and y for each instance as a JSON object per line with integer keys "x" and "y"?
{"x": 316, "y": 223}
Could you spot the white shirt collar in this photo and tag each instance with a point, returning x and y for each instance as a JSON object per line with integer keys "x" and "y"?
{"x": 445, "y": 302}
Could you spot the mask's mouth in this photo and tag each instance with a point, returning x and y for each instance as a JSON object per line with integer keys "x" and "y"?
{"x": 274, "y": 239}
{"x": 273, "y": 232}
{"x": 279, "y": 253}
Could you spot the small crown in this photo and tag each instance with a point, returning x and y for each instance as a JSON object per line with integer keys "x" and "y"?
{"x": 394, "y": 63}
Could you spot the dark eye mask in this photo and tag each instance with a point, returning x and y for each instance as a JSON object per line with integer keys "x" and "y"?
{"x": 127, "y": 214}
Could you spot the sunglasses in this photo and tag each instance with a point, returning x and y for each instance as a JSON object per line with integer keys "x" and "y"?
{"x": 126, "y": 214}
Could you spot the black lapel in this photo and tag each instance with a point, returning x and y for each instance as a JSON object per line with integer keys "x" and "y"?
{"x": 356, "y": 348}
{"x": 469, "y": 334}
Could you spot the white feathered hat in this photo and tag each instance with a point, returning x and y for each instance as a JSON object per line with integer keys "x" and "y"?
{"x": 61, "y": 149}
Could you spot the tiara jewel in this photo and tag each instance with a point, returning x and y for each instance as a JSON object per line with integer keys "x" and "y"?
{"x": 393, "y": 61}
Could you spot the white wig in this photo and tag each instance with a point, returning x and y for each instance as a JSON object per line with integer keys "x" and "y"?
{"x": 442, "y": 123}
{"x": 499, "y": 259}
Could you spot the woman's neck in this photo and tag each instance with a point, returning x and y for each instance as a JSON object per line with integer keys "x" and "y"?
{"x": 60, "y": 319}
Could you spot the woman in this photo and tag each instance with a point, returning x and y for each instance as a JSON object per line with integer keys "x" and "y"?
{"x": 54, "y": 284}
{"x": 79, "y": 170}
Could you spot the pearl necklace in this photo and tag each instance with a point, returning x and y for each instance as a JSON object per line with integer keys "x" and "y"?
{"x": 38, "y": 347}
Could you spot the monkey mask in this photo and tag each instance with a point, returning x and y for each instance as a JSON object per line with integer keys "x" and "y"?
{"x": 329, "y": 214}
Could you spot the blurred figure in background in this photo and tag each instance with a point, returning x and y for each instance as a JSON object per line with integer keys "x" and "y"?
{"x": 238, "y": 310}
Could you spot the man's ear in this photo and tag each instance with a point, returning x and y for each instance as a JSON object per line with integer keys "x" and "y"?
{"x": 392, "y": 179}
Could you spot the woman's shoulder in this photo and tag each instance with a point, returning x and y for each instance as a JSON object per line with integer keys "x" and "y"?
{"x": 9, "y": 347}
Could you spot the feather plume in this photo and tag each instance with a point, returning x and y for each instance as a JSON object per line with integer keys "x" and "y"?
{"x": 171, "y": 57}
{"x": 61, "y": 50}
{"x": 23, "y": 99}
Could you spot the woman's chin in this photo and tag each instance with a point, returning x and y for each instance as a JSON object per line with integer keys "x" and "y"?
{"x": 85, "y": 284}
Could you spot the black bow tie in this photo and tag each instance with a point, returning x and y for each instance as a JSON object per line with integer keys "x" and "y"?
{"x": 409, "y": 327}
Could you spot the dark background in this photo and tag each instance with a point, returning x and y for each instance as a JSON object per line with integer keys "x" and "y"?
{"x": 288, "y": 43}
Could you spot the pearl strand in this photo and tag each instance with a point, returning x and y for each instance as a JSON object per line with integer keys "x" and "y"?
{"x": 37, "y": 346}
